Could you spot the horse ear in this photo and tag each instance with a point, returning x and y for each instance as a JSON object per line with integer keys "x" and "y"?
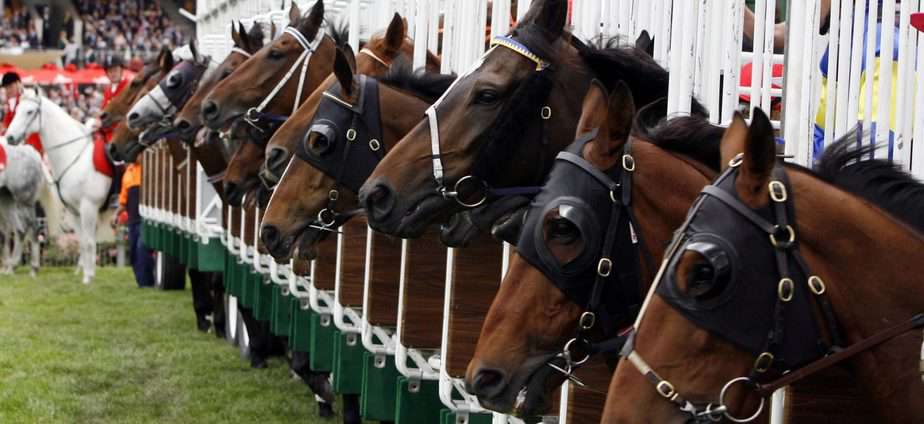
{"x": 312, "y": 24}
{"x": 295, "y": 14}
{"x": 649, "y": 116}
{"x": 645, "y": 43}
{"x": 236, "y": 35}
{"x": 395, "y": 34}
{"x": 759, "y": 160}
{"x": 166, "y": 60}
{"x": 734, "y": 140}
{"x": 593, "y": 109}
{"x": 549, "y": 15}
{"x": 619, "y": 117}
{"x": 254, "y": 38}
{"x": 343, "y": 71}
{"x": 273, "y": 30}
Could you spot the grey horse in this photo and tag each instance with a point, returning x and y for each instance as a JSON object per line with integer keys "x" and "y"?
{"x": 21, "y": 182}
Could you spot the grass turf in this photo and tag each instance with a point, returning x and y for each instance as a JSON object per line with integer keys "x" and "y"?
{"x": 113, "y": 353}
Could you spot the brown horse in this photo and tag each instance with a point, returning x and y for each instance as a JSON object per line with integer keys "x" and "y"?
{"x": 704, "y": 343}
{"x": 246, "y": 43}
{"x": 501, "y": 124}
{"x": 247, "y": 170}
{"x": 539, "y": 306}
{"x": 321, "y": 168}
{"x": 118, "y": 107}
{"x": 277, "y": 78}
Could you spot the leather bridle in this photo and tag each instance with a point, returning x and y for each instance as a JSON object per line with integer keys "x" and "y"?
{"x": 354, "y": 130}
{"x": 255, "y": 114}
{"x": 545, "y": 114}
{"x": 790, "y": 266}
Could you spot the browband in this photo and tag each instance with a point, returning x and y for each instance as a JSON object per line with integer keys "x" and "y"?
{"x": 241, "y": 52}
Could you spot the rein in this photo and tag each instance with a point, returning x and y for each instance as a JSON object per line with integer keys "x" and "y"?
{"x": 782, "y": 238}
{"x": 303, "y": 59}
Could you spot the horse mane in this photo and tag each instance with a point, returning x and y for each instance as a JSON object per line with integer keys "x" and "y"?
{"x": 340, "y": 33}
{"x": 846, "y": 164}
{"x": 647, "y": 80}
{"x": 428, "y": 86}
{"x": 692, "y": 136}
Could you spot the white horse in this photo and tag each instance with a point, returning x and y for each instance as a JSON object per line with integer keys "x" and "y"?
{"x": 69, "y": 147}
{"x": 21, "y": 182}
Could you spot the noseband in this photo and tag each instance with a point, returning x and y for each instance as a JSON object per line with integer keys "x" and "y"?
{"x": 788, "y": 347}
{"x": 436, "y": 157}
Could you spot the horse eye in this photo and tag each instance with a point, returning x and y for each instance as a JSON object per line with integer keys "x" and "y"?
{"x": 174, "y": 81}
{"x": 486, "y": 97}
{"x": 320, "y": 145}
{"x": 226, "y": 72}
{"x": 563, "y": 231}
{"x": 276, "y": 54}
{"x": 135, "y": 83}
{"x": 709, "y": 275}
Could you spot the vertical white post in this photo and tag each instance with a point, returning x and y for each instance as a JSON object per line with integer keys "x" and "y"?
{"x": 732, "y": 60}
{"x": 833, "y": 86}
{"x": 870, "y": 67}
{"x": 884, "y": 112}
{"x": 522, "y": 8}
{"x": 354, "y": 25}
{"x": 421, "y": 33}
{"x": 843, "y": 122}
{"x": 500, "y": 18}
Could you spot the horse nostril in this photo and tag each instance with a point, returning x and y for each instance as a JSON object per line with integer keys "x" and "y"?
{"x": 104, "y": 117}
{"x": 113, "y": 152}
{"x": 210, "y": 111}
{"x": 275, "y": 156}
{"x": 234, "y": 196}
{"x": 270, "y": 236}
{"x": 182, "y": 124}
{"x": 488, "y": 383}
{"x": 132, "y": 117}
{"x": 379, "y": 202}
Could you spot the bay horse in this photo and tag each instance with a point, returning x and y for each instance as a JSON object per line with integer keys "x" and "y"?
{"x": 21, "y": 182}
{"x": 277, "y": 78}
{"x": 376, "y": 113}
{"x": 258, "y": 165}
{"x": 500, "y": 125}
{"x": 830, "y": 277}
{"x": 70, "y": 148}
{"x": 546, "y": 296}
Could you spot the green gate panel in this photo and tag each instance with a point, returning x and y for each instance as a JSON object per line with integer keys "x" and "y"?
{"x": 300, "y": 328}
{"x": 322, "y": 346}
{"x": 263, "y": 298}
{"x": 182, "y": 247}
{"x": 449, "y": 417}
{"x": 417, "y": 401}
{"x": 147, "y": 236}
{"x": 210, "y": 256}
{"x": 282, "y": 313}
{"x": 192, "y": 252}
{"x": 348, "y": 363}
{"x": 380, "y": 376}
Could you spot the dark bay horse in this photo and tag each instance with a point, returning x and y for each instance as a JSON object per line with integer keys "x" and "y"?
{"x": 378, "y": 112}
{"x": 258, "y": 165}
{"x": 501, "y": 124}
{"x": 277, "y": 78}
{"x": 775, "y": 268}
{"x": 545, "y": 297}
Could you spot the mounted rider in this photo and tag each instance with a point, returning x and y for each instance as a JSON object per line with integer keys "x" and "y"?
{"x": 114, "y": 67}
{"x": 12, "y": 87}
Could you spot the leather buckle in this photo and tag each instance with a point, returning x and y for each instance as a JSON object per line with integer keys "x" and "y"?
{"x": 817, "y": 285}
{"x": 785, "y": 289}
{"x": 763, "y": 362}
{"x": 374, "y": 145}
{"x": 628, "y": 163}
{"x": 587, "y": 321}
{"x": 333, "y": 195}
{"x": 666, "y": 389}
{"x": 736, "y": 161}
{"x": 778, "y": 191}
{"x": 545, "y": 113}
{"x": 604, "y": 267}
{"x": 351, "y": 134}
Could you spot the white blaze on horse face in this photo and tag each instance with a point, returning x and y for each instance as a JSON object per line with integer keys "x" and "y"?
{"x": 151, "y": 108}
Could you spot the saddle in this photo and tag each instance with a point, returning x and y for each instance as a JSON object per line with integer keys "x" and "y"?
{"x": 100, "y": 161}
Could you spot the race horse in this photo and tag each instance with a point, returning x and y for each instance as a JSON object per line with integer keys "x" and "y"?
{"x": 21, "y": 182}
{"x": 77, "y": 165}
{"x": 777, "y": 274}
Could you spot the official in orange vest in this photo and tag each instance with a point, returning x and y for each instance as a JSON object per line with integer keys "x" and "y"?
{"x": 12, "y": 86}
{"x": 127, "y": 214}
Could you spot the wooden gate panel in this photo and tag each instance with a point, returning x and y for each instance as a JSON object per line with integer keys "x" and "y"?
{"x": 384, "y": 280}
{"x": 424, "y": 288}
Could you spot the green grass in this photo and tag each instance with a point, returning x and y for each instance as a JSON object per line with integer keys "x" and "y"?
{"x": 113, "y": 353}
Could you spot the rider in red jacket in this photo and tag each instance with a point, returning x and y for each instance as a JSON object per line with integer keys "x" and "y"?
{"x": 12, "y": 86}
{"x": 114, "y": 67}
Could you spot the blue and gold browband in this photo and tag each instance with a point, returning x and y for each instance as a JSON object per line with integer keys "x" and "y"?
{"x": 518, "y": 47}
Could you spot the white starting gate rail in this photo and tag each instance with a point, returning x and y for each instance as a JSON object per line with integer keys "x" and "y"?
{"x": 699, "y": 41}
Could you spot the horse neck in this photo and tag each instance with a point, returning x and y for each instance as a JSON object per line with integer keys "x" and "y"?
{"x": 57, "y": 129}
{"x": 664, "y": 186}
{"x": 400, "y": 113}
{"x": 871, "y": 265}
